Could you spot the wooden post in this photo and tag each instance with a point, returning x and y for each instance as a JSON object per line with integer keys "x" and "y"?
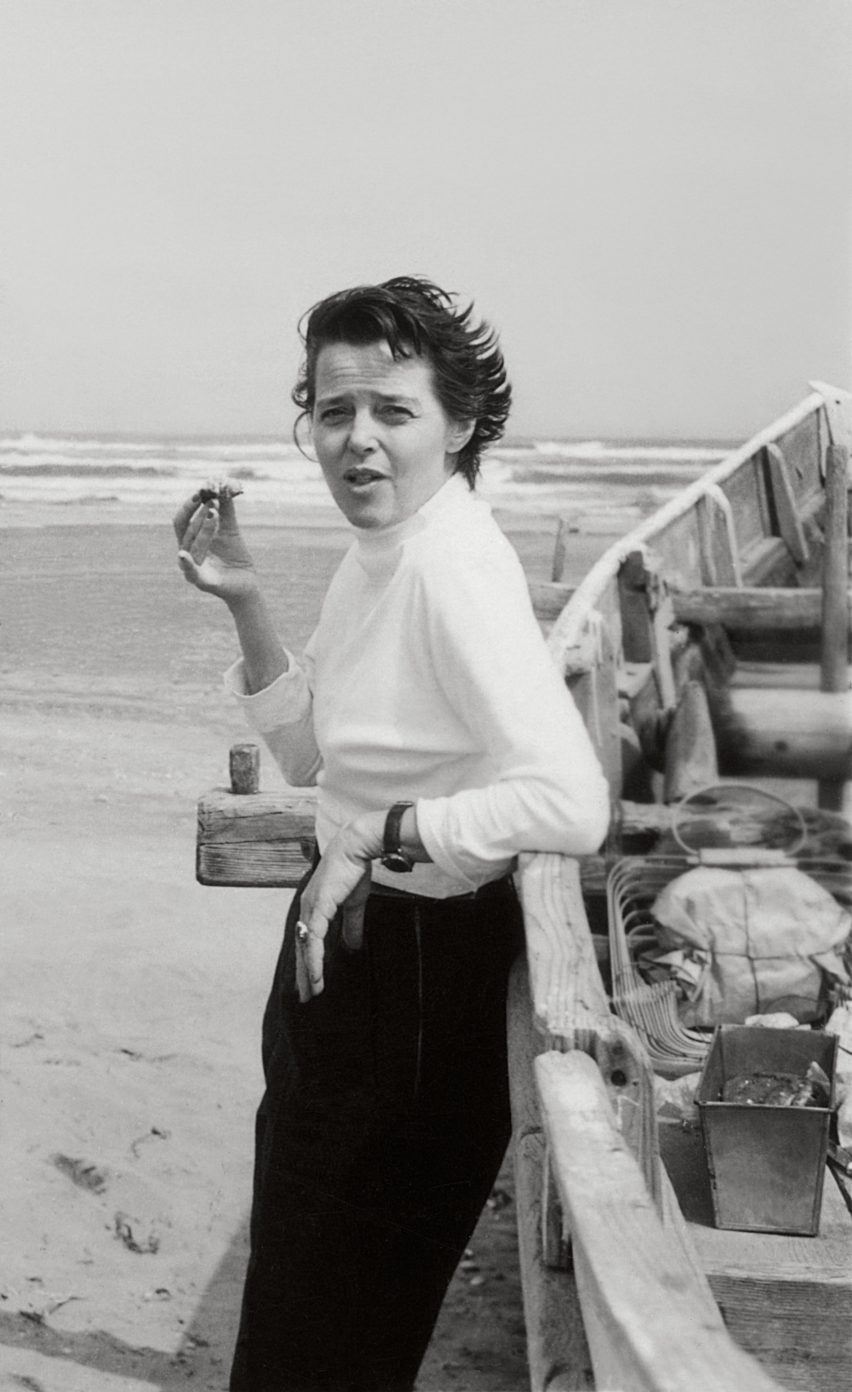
{"x": 834, "y": 657}
{"x": 244, "y": 762}
{"x": 691, "y": 761}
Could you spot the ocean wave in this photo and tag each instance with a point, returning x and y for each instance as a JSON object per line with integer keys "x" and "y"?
{"x": 553, "y": 476}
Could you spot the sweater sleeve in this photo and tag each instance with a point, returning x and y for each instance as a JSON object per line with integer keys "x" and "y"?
{"x": 548, "y": 792}
{"x": 282, "y": 713}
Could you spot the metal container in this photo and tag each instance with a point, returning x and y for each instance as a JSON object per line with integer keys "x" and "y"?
{"x": 766, "y": 1163}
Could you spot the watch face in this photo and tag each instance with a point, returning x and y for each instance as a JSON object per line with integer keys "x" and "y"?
{"x": 397, "y": 861}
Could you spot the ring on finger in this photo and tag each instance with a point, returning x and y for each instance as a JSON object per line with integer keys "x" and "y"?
{"x": 303, "y": 932}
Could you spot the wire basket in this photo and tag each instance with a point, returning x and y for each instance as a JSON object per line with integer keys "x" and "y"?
{"x": 650, "y": 1007}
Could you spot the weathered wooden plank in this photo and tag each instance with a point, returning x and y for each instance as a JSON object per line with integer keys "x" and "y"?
{"x": 646, "y": 615}
{"x": 836, "y": 610}
{"x": 802, "y": 676}
{"x": 557, "y": 1351}
{"x": 789, "y": 523}
{"x": 267, "y": 841}
{"x": 690, "y": 745}
{"x": 802, "y": 446}
{"x": 570, "y": 1005}
{"x": 650, "y": 1324}
{"x": 720, "y": 557}
{"x": 263, "y": 840}
{"x": 777, "y": 734}
{"x": 752, "y": 609}
{"x": 747, "y": 494}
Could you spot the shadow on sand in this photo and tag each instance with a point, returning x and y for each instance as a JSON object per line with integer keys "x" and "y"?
{"x": 202, "y": 1360}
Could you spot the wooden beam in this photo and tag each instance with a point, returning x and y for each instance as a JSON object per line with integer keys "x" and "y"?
{"x": 717, "y": 539}
{"x": 803, "y": 676}
{"x": 650, "y": 1323}
{"x": 836, "y": 610}
{"x": 570, "y": 1006}
{"x": 776, "y": 734}
{"x": 557, "y": 1349}
{"x": 783, "y": 497}
{"x": 751, "y": 610}
{"x": 646, "y": 614}
{"x": 557, "y": 1352}
{"x": 266, "y": 841}
{"x": 262, "y": 840}
{"x": 690, "y": 745}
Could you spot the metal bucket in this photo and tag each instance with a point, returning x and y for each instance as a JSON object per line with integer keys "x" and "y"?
{"x": 766, "y": 1163}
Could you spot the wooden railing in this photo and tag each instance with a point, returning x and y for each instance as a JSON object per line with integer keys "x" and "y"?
{"x": 614, "y": 1294}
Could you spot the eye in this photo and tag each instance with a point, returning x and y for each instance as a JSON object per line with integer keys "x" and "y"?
{"x": 395, "y": 412}
{"x": 331, "y": 414}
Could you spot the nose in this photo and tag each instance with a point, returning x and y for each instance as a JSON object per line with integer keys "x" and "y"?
{"x": 362, "y": 435}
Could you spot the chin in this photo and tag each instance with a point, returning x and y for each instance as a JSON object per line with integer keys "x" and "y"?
{"x": 366, "y": 518}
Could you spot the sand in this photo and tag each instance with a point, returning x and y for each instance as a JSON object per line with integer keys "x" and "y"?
{"x": 133, "y": 996}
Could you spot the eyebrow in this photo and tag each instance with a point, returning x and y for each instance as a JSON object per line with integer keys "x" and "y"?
{"x": 390, "y": 397}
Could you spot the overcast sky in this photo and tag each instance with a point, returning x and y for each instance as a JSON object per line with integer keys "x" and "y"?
{"x": 650, "y": 198}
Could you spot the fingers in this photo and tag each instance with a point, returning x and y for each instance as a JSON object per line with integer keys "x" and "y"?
{"x": 182, "y": 517}
{"x": 195, "y": 524}
{"x": 205, "y": 528}
{"x": 341, "y": 881}
{"x": 195, "y": 543}
{"x": 310, "y": 952}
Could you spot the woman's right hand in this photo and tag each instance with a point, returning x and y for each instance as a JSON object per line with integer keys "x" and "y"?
{"x": 212, "y": 554}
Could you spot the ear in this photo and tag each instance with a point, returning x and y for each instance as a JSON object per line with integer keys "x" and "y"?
{"x": 460, "y": 433}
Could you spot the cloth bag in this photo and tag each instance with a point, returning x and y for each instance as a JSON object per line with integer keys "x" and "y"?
{"x": 762, "y": 939}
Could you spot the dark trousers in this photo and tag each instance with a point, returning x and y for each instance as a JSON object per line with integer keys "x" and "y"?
{"x": 383, "y": 1127}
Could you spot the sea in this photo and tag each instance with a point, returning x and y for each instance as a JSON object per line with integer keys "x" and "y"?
{"x": 96, "y": 611}
{"x": 596, "y": 482}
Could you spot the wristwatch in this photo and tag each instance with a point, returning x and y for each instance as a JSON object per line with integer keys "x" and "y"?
{"x": 393, "y": 857}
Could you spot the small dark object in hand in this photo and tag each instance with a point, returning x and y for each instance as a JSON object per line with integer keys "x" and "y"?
{"x": 214, "y": 493}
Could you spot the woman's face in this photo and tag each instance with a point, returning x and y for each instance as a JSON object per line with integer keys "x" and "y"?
{"x": 381, "y": 435}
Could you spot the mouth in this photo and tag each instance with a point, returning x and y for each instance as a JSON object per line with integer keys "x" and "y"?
{"x": 362, "y": 478}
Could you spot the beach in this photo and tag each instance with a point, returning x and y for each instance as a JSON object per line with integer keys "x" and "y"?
{"x": 133, "y": 996}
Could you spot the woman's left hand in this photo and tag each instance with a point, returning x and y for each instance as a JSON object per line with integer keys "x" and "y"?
{"x": 340, "y": 881}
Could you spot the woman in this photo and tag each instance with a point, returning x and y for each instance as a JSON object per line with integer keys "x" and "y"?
{"x": 443, "y": 742}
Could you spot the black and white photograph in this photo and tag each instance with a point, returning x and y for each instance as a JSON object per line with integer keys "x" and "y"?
{"x": 425, "y": 695}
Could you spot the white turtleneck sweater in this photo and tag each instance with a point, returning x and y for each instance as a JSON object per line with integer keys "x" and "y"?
{"x": 427, "y": 680}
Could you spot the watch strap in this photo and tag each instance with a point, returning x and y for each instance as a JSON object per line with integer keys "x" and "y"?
{"x": 393, "y": 856}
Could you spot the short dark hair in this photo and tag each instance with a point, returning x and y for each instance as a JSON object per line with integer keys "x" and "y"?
{"x": 416, "y": 318}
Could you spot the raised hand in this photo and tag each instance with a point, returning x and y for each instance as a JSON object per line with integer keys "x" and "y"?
{"x": 212, "y": 554}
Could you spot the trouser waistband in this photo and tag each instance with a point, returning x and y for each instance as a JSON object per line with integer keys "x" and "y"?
{"x": 486, "y": 891}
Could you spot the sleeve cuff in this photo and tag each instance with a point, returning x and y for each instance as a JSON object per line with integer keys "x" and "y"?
{"x": 281, "y": 703}
{"x": 428, "y": 820}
